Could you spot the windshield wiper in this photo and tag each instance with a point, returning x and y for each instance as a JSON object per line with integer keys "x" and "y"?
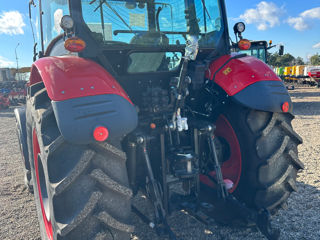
{"x": 101, "y": 16}
{"x": 114, "y": 11}
{"x": 157, "y": 17}
{"x": 205, "y": 8}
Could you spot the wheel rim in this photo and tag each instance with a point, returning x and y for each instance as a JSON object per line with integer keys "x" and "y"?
{"x": 231, "y": 168}
{"x": 42, "y": 190}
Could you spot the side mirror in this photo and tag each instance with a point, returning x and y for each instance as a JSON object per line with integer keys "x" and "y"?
{"x": 281, "y": 50}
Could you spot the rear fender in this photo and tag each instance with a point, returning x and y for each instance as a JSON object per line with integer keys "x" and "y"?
{"x": 250, "y": 82}
{"x": 67, "y": 77}
{"x": 84, "y": 96}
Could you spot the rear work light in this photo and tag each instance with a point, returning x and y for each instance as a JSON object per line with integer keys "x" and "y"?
{"x": 100, "y": 133}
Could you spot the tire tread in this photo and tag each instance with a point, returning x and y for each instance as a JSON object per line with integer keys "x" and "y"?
{"x": 282, "y": 179}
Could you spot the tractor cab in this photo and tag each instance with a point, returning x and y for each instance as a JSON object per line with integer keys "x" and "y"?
{"x": 140, "y": 40}
{"x": 145, "y": 31}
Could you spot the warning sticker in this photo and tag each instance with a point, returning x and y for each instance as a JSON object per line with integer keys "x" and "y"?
{"x": 227, "y": 71}
{"x": 137, "y": 19}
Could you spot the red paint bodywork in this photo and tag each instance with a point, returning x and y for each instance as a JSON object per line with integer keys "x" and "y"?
{"x": 240, "y": 73}
{"x": 315, "y": 73}
{"x": 67, "y": 77}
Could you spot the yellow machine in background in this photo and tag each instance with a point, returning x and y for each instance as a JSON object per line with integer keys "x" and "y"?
{"x": 298, "y": 74}
{"x": 287, "y": 73}
{"x": 299, "y": 71}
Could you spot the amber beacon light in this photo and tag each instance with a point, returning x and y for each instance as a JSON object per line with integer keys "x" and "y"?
{"x": 74, "y": 44}
{"x": 244, "y": 44}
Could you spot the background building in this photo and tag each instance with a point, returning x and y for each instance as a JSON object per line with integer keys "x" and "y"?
{"x": 6, "y": 75}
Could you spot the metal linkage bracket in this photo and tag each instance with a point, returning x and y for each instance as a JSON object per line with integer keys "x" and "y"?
{"x": 161, "y": 224}
{"x": 209, "y": 132}
{"x": 261, "y": 218}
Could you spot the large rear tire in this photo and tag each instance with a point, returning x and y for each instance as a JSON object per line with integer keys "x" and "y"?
{"x": 269, "y": 157}
{"x": 267, "y": 162}
{"x": 81, "y": 191}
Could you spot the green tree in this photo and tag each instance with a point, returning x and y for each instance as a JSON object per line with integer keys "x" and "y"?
{"x": 299, "y": 61}
{"x": 287, "y": 60}
{"x": 272, "y": 59}
{"x": 281, "y": 61}
{"x": 275, "y": 60}
{"x": 315, "y": 59}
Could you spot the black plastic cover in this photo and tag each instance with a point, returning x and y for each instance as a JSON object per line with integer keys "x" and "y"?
{"x": 77, "y": 118}
{"x": 20, "y": 115}
{"x": 265, "y": 96}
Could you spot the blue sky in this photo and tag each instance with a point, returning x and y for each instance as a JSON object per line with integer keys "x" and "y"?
{"x": 294, "y": 23}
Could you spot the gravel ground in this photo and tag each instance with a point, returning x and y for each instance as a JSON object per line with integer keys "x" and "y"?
{"x": 301, "y": 220}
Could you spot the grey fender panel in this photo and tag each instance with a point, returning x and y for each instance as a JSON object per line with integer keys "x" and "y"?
{"x": 265, "y": 96}
{"x": 77, "y": 118}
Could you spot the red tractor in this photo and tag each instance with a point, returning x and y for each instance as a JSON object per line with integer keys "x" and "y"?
{"x": 144, "y": 95}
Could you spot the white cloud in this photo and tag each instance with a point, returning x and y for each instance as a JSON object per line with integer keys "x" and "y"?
{"x": 11, "y": 23}
{"x": 58, "y": 14}
{"x": 312, "y": 13}
{"x": 265, "y": 15}
{"x": 5, "y": 63}
{"x": 299, "y": 23}
{"x": 304, "y": 20}
{"x": 316, "y": 45}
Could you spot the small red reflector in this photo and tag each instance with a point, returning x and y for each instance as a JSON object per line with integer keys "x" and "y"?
{"x": 285, "y": 107}
{"x": 74, "y": 44}
{"x": 244, "y": 44}
{"x": 100, "y": 134}
{"x": 153, "y": 125}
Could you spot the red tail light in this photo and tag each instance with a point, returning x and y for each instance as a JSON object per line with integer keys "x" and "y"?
{"x": 285, "y": 107}
{"x": 100, "y": 133}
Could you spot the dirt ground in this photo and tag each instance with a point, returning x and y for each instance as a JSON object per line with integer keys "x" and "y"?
{"x": 18, "y": 220}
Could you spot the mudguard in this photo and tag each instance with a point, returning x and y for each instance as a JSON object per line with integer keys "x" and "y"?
{"x": 20, "y": 116}
{"x": 250, "y": 82}
{"x": 84, "y": 96}
{"x": 265, "y": 96}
